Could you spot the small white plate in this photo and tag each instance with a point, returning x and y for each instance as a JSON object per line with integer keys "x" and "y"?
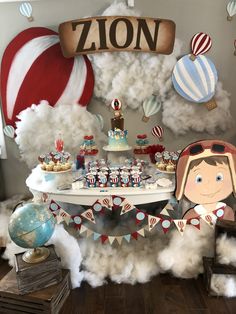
{"x": 165, "y": 171}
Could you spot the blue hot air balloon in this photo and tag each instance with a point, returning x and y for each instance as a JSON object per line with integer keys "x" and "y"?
{"x": 151, "y": 106}
{"x": 100, "y": 120}
{"x": 231, "y": 9}
{"x": 9, "y": 131}
{"x": 26, "y": 10}
{"x": 196, "y": 80}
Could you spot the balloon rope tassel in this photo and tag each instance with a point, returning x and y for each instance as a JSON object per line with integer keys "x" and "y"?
{"x": 211, "y": 104}
{"x": 145, "y": 119}
{"x": 192, "y": 57}
{"x": 235, "y": 52}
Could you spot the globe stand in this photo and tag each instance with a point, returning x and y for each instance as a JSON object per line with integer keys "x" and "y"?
{"x": 36, "y": 255}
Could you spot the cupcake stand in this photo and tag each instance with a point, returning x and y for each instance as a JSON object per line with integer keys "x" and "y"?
{"x": 117, "y": 156}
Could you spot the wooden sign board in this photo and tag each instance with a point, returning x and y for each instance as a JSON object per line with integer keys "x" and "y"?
{"x": 117, "y": 33}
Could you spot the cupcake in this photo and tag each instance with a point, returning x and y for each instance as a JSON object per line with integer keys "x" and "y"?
{"x": 170, "y": 167}
{"x": 57, "y": 168}
{"x": 49, "y": 167}
{"x": 161, "y": 166}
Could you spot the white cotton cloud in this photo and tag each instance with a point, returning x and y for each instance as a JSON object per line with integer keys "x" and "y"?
{"x": 183, "y": 255}
{"x": 67, "y": 248}
{"x": 139, "y": 261}
{"x": 41, "y": 124}
{"x": 223, "y": 285}
{"x": 133, "y": 77}
{"x": 181, "y": 116}
{"x": 129, "y": 263}
{"x": 226, "y": 250}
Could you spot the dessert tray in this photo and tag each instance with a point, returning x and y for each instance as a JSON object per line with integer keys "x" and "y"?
{"x": 165, "y": 171}
{"x": 56, "y": 172}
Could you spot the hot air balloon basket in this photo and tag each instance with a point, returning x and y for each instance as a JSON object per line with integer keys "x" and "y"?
{"x": 192, "y": 57}
{"x": 211, "y": 268}
{"x": 30, "y": 19}
{"x": 211, "y": 104}
{"x": 49, "y": 300}
{"x": 145, "y": 119}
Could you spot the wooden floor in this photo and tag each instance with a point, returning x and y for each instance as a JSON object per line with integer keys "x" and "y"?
{"x": 164, "y": 294}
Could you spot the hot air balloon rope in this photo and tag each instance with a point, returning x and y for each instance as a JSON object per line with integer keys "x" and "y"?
{"x": 101, "y": 204}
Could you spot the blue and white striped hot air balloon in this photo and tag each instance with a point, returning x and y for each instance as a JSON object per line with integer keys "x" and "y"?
{"x": 9, "y": 131}
{"x": 100, "y": 120}
{"x": 26, "y": 10}
{"x": 196, "y": 80}
{"x": 231, "y": 9}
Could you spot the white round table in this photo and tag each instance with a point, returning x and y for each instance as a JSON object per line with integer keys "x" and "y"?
{"x": 87, "y": 196}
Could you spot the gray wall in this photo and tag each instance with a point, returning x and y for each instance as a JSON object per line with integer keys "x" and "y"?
{"x": 191, "y": 16}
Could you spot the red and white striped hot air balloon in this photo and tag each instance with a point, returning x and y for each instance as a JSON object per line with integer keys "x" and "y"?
{"x": 200, "y": 44}
{"x": 89, "y": 215}
{"x": 34, "y": 69}
{"x": 209, "y": 219}
{"x": 181, "y": 226}
{"x": 152, "y": 222}
{"x": 116, "y": 104}
{"x": 127, "y": 207}
{"x": 106, "y": 202}
{"x": 158, "y": 132}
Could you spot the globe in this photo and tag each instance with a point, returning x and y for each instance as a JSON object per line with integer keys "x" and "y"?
{"x": 31, "y": 226}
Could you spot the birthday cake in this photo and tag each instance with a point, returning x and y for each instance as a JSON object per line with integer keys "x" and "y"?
{"x": 117, "y": 136}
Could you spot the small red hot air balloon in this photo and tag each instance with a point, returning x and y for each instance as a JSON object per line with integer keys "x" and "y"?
{"x": 181, "y": 225}
{"x": 200, "y": 44}
{"x": 116, "y": 104}
{"x": 152, "y": 222}
{"x": 106, "y": 202}
{"x": 127, "y": 207}
{"x": 89, "y": 216}
{"x": 209, "y": 219}
{"x": 158, "y": 131}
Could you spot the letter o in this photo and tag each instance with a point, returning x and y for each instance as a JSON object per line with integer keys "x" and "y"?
{"x": 112, "y": 33}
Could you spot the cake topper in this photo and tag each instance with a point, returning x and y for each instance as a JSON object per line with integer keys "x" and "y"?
{"x": 117, "y": 122}
{"x": 116, "y": 106}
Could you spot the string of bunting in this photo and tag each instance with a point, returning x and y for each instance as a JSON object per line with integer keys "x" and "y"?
{"x": 117, "y": 202}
